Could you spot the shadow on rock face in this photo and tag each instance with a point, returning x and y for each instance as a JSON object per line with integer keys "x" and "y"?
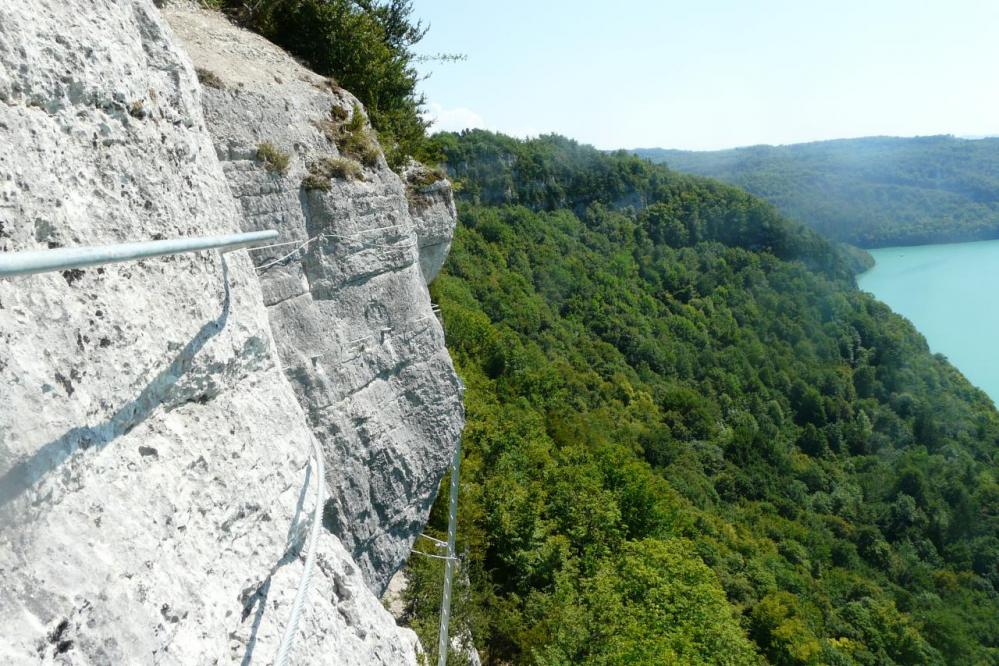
{"x": 257, "y": 595}
{"x": 27, "y": 473}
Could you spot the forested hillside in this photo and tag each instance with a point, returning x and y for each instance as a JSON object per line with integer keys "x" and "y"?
{"x": 691, "y": 439}
{"x": 871, "y": 192}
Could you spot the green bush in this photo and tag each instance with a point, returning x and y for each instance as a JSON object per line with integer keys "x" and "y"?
{"x": 354, "y": 139}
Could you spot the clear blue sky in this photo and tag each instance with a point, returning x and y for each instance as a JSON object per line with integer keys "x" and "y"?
{"x": 705, "y": 74}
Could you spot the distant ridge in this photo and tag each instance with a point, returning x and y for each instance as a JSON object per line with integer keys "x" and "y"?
{"x": 873, "y": 191}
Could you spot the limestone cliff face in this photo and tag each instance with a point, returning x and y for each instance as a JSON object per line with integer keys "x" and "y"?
{"x": 350, "y": 312}
{"x": 156, "y": 417}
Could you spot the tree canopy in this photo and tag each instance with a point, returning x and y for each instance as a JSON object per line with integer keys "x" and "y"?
{"x": 691, "y": 439}
{"x": 365, "y": 45}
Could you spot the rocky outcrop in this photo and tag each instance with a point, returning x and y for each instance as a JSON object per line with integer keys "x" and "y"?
{"x": 431, "y": 201}
{"x": 350, "y": 310}
{"x": 153, "y": 452}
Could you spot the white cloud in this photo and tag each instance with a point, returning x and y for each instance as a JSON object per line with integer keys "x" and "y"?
{"x": 452, "y": 120}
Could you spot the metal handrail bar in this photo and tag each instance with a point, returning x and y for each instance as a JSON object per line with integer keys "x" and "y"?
{"x": 450, "y": 559}
{"x": 30, "y": 262}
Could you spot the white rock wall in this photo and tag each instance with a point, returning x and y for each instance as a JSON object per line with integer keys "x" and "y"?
{"x": 152, "y": 452}
{"x": 351, "y": 313}
{"x": 430, "y": 201}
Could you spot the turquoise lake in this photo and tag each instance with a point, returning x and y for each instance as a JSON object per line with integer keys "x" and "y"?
{"x": 951, "y": 294}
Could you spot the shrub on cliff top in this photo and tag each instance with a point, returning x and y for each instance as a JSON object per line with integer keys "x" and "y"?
{"x": 366, "y": 44}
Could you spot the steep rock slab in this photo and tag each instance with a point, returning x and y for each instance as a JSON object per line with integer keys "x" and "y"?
{"x": 350, "y": 311}
{"x": 152, "y": 453}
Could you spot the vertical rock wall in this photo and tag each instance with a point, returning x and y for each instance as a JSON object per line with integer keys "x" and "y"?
{"x": 350, "y": 312}
{"x": 153, "y": 454}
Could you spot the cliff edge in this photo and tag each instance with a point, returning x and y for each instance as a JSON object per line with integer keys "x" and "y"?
{"x": 349, "y": 307}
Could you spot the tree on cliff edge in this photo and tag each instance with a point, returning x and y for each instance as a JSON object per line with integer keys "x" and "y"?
{"x": 365, "y": 45}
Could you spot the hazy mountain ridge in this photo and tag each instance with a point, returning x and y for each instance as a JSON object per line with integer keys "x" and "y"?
{"x": 871, "y": 192}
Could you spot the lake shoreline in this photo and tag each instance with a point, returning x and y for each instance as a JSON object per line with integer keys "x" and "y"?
{"x": 950, "y": 292}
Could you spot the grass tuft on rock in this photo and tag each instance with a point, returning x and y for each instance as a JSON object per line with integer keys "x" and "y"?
{"x": 315, "y": 181}
{"x": 337, "y": 167}
{"x": 424, "y": 177}
{"x": 209, "y": 79}
{"x": 274, "y": 159}
{"x": 339, "y": 114}
{"x": 351, "y": 134}
{"x": 357, "y": 141}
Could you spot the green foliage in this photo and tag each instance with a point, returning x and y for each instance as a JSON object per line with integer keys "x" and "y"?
{"x": 557, "y": 173}
{"x": 651, "y": 602}
{"x": 691, "y": 439}
{"x": 275, "y": 160}
{"x": 366, "y": 45}
{"x": 871, "y": 192}
{"x": 354, "y": 139}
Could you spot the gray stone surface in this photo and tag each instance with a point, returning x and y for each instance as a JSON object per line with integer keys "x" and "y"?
{"x": 152, "y": 449}
{"x": 350, "y": 313}
{"x": 431, "y": 202}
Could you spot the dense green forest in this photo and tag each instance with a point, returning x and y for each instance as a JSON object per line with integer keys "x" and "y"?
{"x": 690, "y": 438}
{"x": 871, "y": 192}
